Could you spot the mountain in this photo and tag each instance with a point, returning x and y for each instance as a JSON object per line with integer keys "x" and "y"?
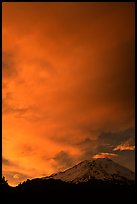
{"x": 100, "y": 169}
{"x": 91, "y": 181}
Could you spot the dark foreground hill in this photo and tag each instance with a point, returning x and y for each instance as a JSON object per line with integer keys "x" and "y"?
{"x": 83, "y": 188}
{"x": 62, "y": 192}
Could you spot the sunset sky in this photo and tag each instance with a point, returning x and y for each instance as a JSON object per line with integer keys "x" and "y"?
{"x": 67, "y": 86}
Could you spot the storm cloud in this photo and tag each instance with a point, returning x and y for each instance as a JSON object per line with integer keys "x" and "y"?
{"x": 68, "y": 84}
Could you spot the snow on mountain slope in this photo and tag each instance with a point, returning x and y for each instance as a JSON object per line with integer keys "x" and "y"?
{"x": 100, "y": 169}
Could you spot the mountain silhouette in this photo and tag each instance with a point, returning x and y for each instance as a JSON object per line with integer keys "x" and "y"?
{"x": 100, "y": 180}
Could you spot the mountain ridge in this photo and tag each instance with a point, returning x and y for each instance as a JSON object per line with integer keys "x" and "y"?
{"x": 99, "y": 169}
{"x": 83, "y": 187}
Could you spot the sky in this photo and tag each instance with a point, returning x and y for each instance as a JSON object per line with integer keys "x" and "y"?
{"x": 67, "y": 86}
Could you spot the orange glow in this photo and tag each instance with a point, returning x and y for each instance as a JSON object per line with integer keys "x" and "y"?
{"x": 123, "y": 147}
{"x": 104, "y": 155}
{"x": 67, "y": 76}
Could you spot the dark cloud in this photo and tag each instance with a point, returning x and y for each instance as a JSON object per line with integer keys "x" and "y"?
{"x": 120, "y": 81}
{"x": 127, "y": 159}
{"x": 8, "y": 65}
{"x": 42, "y": 64}
{"x": 87, "y": 146}
{"x": 86, "y": 142}
{"x": 26, "y": 149}
{"x": 6, "y": 162}
{"x": 105, "y": 144}
{"x": 115, "y": 83}
{"x": 105, "y": 148}
{"x": 30, "y": 113}
{"x": 109, "y": 139}
{"x": 7, "y": 108}
{"x": 64, "y": 160}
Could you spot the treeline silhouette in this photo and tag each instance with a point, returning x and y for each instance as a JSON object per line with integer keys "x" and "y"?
{"x": 57, "y": 191}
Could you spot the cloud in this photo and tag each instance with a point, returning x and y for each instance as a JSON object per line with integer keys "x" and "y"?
{"x": 8, "y": 109}
{"x": 104, "y": 145}
{"x": 9, "y": 171}
{"x": 6, "y": 162}
{"x": 64, "y": 160}
{"x": 115, "y": 138}
{"x": 88, "y": 147}
{"x": 104, "y": 155}
{"x": 124, "y": 147}
{"x": 120, "y": 143}
{"x": 126, "y": 158}
{"x": 8, "y": 65}
{"x": 70, "y": 75}
{"x": 14, "y": 177}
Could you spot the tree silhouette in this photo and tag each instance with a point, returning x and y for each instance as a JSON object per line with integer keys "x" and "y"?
{"x": 4, "y": 181}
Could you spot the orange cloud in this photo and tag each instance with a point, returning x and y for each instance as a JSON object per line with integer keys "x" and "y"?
{"x": 67, "y": 74}
{"x": 104, "y": 155}
{"x": 124, "y": 147}
{"x": 16, "y": 176}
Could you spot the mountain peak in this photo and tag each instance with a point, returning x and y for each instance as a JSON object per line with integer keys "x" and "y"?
{"x": 99, "y": 169}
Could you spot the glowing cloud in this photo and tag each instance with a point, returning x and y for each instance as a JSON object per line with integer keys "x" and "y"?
{"x": 67, "y": 75}
{"x": 124, "y": 147}
{"x": 16, "y": 176}
{"x": 104, "y": 155}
